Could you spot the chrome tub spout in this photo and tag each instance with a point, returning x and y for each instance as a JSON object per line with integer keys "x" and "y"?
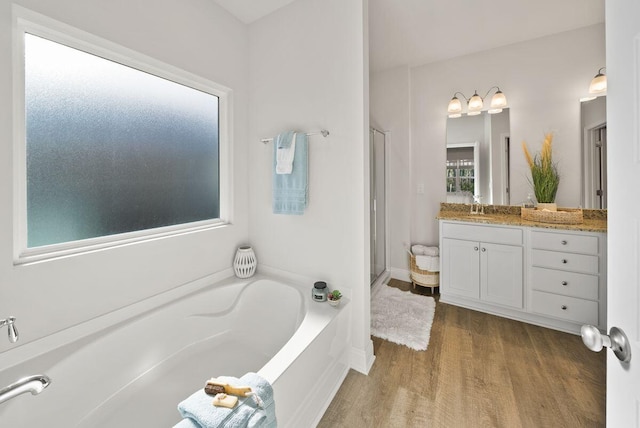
{"x": 33, "y": 384}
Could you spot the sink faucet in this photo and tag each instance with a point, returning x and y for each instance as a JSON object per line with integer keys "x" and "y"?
{"x": 476, "y": 206}
{"x": 13, "y": 332}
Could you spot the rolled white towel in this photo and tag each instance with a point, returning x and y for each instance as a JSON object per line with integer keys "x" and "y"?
{"x": 432, "y": 251}
{"x": 430, "y": 263}
{"x": 418, "y": 249}
{"x": 424, "y": 250}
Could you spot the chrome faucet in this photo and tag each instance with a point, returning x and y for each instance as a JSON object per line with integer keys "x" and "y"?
{"x": 33, "y": 384}
{"x": 476, "y": 206}
{"x": 13, "y": 332}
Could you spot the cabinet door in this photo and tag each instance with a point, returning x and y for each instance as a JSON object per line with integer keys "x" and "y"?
{"x": 501, "y": 278}
{"x": 460, "y": 270}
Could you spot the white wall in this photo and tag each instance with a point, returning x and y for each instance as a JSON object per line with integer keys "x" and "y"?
{"x": 543, "y": 80}
{"x": 195, "y": 35}
{"x": 309, "y": 73}
{"x": 390, "y": 101}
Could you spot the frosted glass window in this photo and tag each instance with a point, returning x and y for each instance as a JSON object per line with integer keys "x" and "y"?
{"x": 112, "y": 149}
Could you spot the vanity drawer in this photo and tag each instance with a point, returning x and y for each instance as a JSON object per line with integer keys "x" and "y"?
{"x": 473, "y": 232}
{"x": 568, "y": 308}
{"x": 565, "y": 242}
{"x": 567, "y": 283}
{"x": 565, "y": 261}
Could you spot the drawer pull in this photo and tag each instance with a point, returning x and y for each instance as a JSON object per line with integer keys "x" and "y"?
{"x": 564, "y": 242}
{"x": 565, "y": 283}
{"x": 484, "y": 249}
{"x": 564, "y": 307}
{"x": 475, "y": 248}
{"x": 565, "y": 261}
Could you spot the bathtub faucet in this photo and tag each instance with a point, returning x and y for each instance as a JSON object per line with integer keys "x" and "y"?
{"x": 33, "y": 384}
{"x": 13, "y": 332}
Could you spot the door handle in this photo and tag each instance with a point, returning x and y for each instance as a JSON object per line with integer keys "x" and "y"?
{"x": 616, "y": 340}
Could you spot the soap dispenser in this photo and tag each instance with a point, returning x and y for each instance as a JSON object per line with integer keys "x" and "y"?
{"x": 529, "y": 203}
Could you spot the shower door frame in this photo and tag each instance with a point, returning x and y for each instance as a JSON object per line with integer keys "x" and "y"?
{"x": 374, "y": 208}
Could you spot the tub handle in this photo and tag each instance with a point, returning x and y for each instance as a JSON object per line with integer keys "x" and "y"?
{"x": 33, "y": 384}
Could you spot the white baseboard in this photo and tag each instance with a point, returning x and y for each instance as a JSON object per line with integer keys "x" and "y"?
{"x": 362, "y": 360}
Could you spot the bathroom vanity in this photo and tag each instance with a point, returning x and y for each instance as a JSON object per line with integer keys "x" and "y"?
{"x": 551, "y": 275}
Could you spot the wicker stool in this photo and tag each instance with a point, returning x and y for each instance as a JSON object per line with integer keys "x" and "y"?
{"x": 423, "y": 278}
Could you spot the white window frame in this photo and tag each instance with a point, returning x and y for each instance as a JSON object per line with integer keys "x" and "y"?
{"x": 27, "y": 21}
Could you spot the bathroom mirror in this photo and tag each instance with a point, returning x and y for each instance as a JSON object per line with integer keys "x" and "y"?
{"x": 593, "y": 119}
{"x": 478, "y": 156}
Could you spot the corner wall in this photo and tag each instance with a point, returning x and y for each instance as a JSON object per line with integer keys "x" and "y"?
{"x": 391, "y": 113}
{"x": 308, "y": 72}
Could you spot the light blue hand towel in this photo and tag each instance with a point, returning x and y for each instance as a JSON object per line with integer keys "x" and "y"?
{"x": 291, "y": 191}
{"x": 199, "y": 410}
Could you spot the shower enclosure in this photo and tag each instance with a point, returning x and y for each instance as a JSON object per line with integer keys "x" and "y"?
{"x": 377, "y": 203}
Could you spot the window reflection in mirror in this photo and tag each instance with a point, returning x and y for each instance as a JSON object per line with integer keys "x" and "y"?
{"x": 594, "y": 153}
{"x": 478, "y": 158}
{"x": 461, "y": 172}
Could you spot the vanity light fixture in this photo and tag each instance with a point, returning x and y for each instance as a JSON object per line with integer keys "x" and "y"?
{"x": 475, "y": 104}
{"x": 598, "y": 83}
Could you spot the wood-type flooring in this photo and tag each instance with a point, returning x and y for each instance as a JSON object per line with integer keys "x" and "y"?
{"x": 479, "y": 370}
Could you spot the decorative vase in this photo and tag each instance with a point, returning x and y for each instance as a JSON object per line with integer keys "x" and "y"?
{"x": 334, "y": 302}
{"x": 245, "y": 262}
{"x": 549, "y": 206}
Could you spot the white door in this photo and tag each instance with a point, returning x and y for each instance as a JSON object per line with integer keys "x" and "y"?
{"x": 623, "y": 122}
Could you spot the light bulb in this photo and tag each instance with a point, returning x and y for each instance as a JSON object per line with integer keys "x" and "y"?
{"x": 598, "y": 83}
{"x": 455, "y": 106}
{"x": 498, "y": 101}
{"x": 475, "y": 103}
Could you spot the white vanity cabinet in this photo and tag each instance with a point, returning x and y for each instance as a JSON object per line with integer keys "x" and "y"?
{"x": 550, "y": 277}
{"x": 483, "y": 263}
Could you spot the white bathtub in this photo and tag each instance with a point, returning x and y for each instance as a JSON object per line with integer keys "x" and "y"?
{"x": 132, "y": 368}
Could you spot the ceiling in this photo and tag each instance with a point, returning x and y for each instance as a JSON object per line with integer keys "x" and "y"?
{"x": 414, "y": 32}
{"x": 248, "y": 11}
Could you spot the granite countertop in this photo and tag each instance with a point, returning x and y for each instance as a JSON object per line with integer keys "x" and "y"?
{"x": 594, "y": 220}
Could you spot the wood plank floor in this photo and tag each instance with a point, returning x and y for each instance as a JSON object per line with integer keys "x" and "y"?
{"x": 478, "y": 371}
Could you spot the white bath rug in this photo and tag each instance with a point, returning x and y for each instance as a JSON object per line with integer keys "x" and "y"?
{"x": 402, "y": 317}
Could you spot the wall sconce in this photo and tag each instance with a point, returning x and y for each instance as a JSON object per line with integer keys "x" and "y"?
{"x": 475, "y": 104}
{"x": 599, "y": 83}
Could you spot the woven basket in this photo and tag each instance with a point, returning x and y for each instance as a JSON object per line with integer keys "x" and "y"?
{"x": 563, "y": 216}
{"x": 423, "y": 277}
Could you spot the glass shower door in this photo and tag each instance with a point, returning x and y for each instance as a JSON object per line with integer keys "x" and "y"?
{"x": 377, "y": 141}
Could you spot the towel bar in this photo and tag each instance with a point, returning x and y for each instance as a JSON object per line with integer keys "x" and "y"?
{"x": 323, "y": 132}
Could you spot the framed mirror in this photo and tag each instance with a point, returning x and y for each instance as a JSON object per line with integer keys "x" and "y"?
{"x": 478, "y": 158}
{"x": 593, "y": 116}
